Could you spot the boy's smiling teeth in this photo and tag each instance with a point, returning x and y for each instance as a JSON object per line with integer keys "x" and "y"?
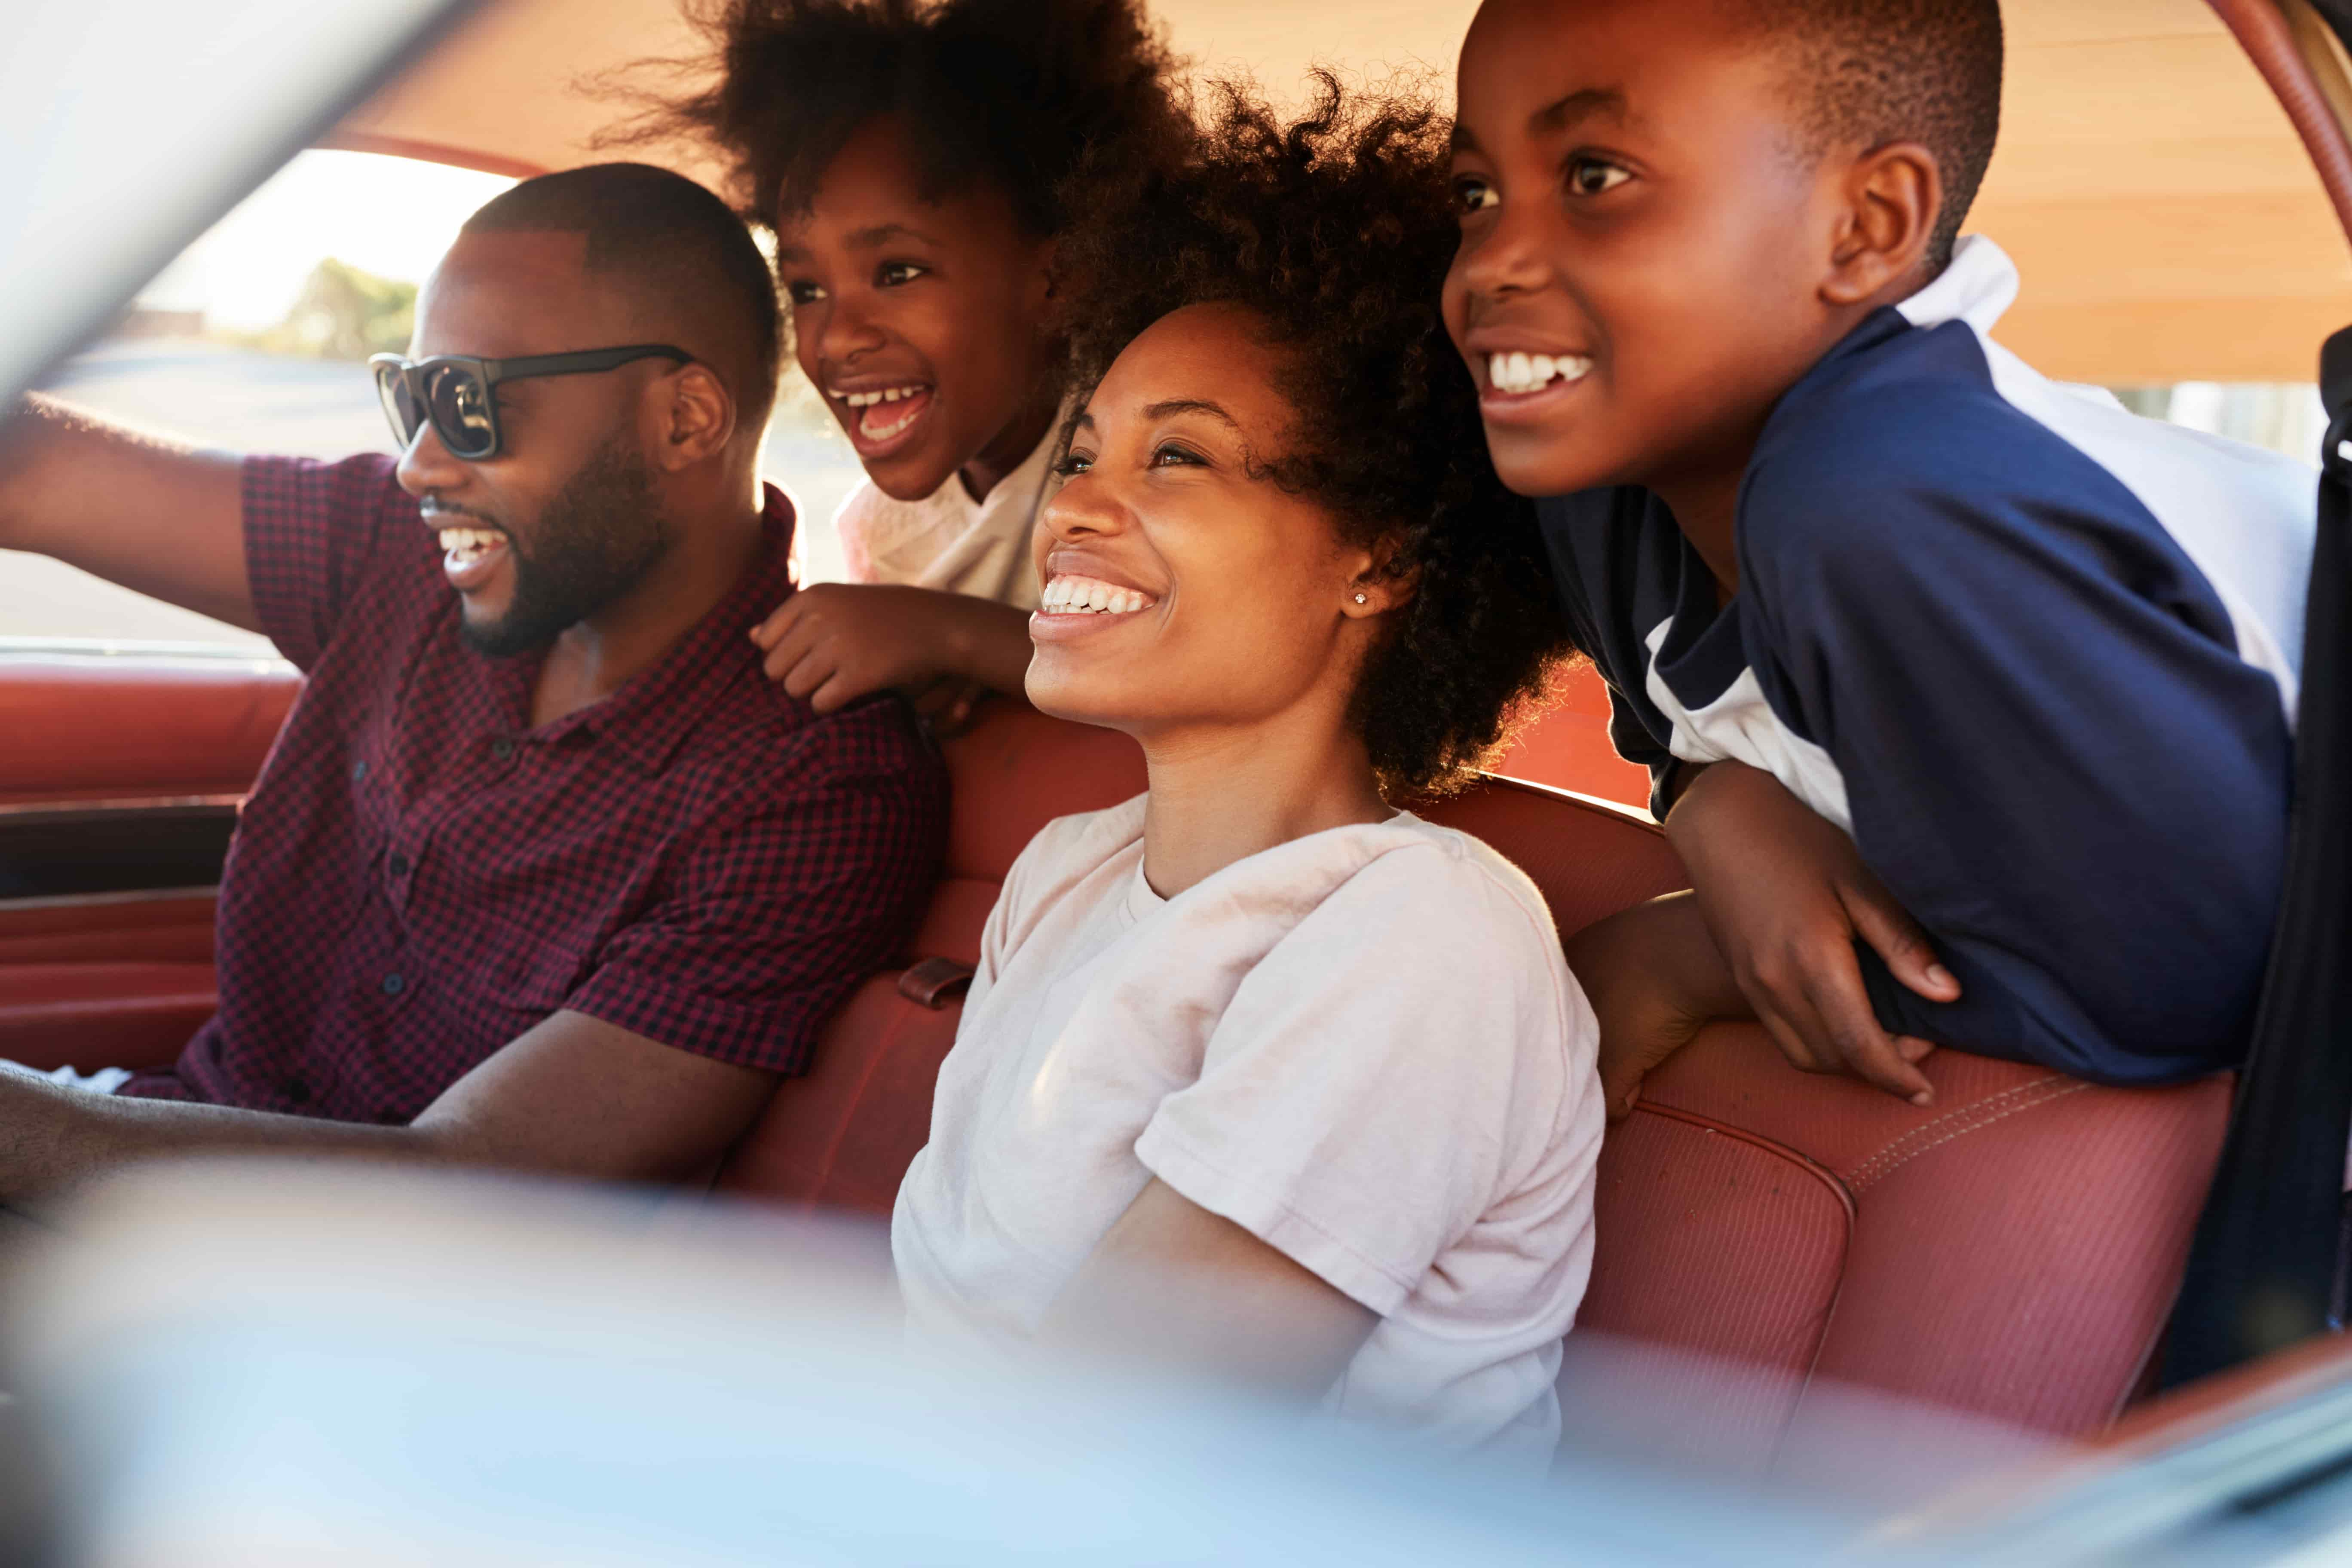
{"x": 1517, "y": 372}
{"x": 1090, "y": 596}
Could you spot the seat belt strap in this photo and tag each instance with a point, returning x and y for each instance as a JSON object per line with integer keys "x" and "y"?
{"x": 2262, "y": 1268}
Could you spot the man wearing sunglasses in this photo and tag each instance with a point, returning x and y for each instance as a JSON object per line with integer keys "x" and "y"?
{"x": 542, "y": 872}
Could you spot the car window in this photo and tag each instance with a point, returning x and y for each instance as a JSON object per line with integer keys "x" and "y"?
{"x": 2286, "y": 417}
{"x": 256, "y": 339}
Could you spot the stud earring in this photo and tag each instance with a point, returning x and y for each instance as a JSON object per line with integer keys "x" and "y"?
{"x": 1359, "y": 598}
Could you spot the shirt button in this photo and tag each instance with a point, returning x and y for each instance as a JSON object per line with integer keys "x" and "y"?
{"x": 297, "y": 1092}
{"x": 397, "y": 864}
{"x": 359, "y": 770}
{"x": 393, "y": 985}
{"x": 503, "y": 749}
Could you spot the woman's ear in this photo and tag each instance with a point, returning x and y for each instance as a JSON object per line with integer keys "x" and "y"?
{"x": 1381, "y": 583}
{"x": 1890, "y": 199}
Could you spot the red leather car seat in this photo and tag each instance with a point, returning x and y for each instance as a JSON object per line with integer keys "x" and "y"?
{"x": 122, "y": 979}
{"x": 842, "y": 1135}
{"x": 2010, "y": 1251}
{"x": 84, "y": 728}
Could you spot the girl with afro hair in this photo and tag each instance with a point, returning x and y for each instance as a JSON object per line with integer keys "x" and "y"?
{"x": 906, "y": 155}
{"x": 1259, "y": 1071}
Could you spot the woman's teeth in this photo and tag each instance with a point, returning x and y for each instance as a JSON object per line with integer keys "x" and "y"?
{"x": 1087, "y": 596}
{"x": 1531, "y": 373}
{"x": 464, "y": 544}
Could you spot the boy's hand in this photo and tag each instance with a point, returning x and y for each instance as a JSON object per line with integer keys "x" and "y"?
{"x": 832, "y": 643}
{"x": 1785, "y": 893}
{"x": 1654, "y": 979}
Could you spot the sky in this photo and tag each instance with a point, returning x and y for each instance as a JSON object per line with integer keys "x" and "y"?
{"x": 392, "y": 216}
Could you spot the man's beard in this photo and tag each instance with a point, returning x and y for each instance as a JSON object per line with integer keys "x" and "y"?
{"x": 596, "y": 540}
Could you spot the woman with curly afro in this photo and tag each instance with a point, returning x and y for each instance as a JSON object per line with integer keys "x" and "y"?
{"x": 906, "y": 155}
{"x": 1259, "y": 1070}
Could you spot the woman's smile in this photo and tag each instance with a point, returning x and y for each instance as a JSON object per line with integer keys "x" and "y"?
{"x": 1092, "y": 597}
{"x": 1168, "y": 482}
{"x": 1074, "y": 604}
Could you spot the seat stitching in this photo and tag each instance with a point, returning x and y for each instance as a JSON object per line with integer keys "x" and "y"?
{"x": 1974, "y": 1108}
{"x": 2065, "y": 1087}
{"x": 1965, "y": 1120}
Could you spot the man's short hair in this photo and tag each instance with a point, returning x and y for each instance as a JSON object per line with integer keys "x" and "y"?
{"x": 1874, "y": 71}
{"x": 660, "y": 231}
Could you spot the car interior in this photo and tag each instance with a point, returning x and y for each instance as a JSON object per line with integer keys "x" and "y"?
{"x": 2012, "y": 1252}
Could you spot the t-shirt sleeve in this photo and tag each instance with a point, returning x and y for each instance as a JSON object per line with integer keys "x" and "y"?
{"x": 1011, "y": 911}
{"x": 1598, "y": 542}
{"x": 1377, "y": 1083}
{"x": 2053, "y": 756}
{"x": 1634, "y": 742}
{"x": 773, "y": 915}
{"x": 315, "y": 531}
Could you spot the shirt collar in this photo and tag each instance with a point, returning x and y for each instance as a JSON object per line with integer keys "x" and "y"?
{"x": 1975, "y": 289}
{"x": 1979, "y": 285}
{"x": 652, "y": 714}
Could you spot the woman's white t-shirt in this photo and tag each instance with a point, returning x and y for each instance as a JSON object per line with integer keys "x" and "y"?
{"x": 1363, "y": 1045}
{"x": 946, "y": 539}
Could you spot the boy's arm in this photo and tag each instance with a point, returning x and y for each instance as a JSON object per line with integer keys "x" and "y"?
{"x": 139, "y": 510}
{"x": 1786, "y": 895}
{"x": 832, "y": 643}
{"x": 1655, "y": 979}
{"x": 2055, "y": 756}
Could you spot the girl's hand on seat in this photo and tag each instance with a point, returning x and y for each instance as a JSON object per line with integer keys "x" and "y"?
{"x": 1785, "y": 894}
{"x": 1654, "y": 979}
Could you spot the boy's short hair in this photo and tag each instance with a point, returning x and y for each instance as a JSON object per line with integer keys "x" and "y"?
{"x": 1874, "y": 71}
{"x": 662, "y": 233}
{"x": 1013, "y": 92}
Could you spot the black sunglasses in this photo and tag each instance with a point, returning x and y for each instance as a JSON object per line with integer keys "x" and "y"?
{"x": 453, "y": 391}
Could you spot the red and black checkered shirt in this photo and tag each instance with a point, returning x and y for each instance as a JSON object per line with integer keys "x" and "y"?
{"x": 420, "y": 876}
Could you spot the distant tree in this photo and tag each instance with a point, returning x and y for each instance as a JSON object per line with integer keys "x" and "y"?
{"x": 343, "y": 312}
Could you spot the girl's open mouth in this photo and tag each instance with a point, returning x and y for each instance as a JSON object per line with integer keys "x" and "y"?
{"x": 882, "y": 418}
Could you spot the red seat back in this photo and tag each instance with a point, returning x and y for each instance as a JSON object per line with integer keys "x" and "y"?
{"x": 2010, "y": 1251}
{"x": 843, "y": 1135}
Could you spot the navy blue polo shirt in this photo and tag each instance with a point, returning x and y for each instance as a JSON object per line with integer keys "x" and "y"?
{"x": 2036, "y": 654}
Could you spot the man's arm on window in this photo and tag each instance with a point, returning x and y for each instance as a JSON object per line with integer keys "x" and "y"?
{"x": 154, "y": 516}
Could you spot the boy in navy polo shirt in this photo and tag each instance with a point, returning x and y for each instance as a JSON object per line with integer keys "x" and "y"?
{"x": 1920, "y": 647}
